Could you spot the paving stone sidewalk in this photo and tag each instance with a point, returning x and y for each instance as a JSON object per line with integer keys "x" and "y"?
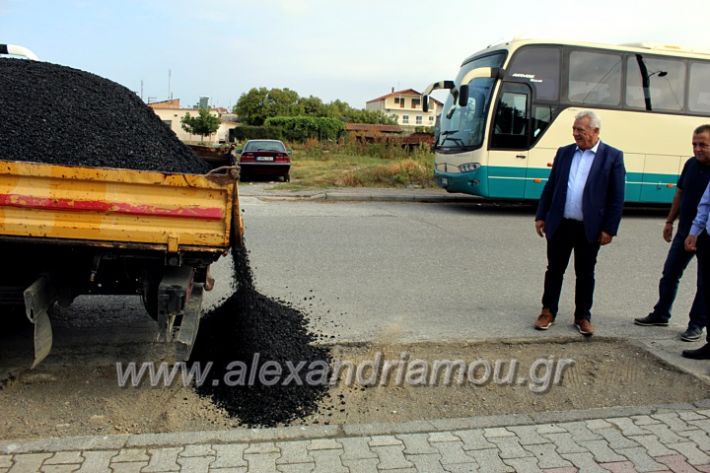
{"x": 671, "y": 438}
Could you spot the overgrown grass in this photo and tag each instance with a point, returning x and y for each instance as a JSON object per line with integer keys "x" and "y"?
{"x": 316, "y": 165}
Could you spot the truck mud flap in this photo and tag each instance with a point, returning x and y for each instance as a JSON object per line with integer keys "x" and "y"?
{"x": 187, "y": 333}
{"x": 179, "y": 309}
{"x": 38, "y": 299}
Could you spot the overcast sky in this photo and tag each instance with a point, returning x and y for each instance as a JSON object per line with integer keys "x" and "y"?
{"x": 349, "y": 50}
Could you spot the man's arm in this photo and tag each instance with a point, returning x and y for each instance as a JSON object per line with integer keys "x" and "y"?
{"x": 548, "y": 191}
{"x": 699, "y": 222}
{"x": 615, "y": 200}
{"x": 672, "y": 215}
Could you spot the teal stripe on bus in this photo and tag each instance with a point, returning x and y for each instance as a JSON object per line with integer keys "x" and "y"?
{"x": 521, "y": 183}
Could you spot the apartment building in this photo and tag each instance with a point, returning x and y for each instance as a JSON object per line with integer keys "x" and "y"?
{"x": 406, "y": 107}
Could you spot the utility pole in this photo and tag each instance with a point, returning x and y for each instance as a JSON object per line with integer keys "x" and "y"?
{"x": 170, "y": 92}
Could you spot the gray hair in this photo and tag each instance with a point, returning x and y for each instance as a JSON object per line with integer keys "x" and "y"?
{"x": 594, "y": 120}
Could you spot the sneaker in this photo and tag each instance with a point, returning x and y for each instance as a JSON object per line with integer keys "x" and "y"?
{"x": 651, "y": 319}
{"x": 585, "y": 327}
{"x": 702, "y": 353}
{"x": 544, "y": 320}
{"x": 692, "y": 334}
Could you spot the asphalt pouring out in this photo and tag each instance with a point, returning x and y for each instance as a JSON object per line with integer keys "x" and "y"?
{"x": 250, "y": 323}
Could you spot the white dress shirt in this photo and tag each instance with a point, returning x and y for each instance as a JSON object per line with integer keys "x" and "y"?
{"x": 578, "y": 174}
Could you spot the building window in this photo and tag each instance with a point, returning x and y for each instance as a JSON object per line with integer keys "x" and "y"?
{"x": 169, "y": 123}
{"x": 419, "y": 120}
{"x": 431, "y": 119}
{"x": 405, "y": 119}
{"x": 416, "y": 103}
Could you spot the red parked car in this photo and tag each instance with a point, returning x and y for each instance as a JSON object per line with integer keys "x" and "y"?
{"x": 265, "y": 158}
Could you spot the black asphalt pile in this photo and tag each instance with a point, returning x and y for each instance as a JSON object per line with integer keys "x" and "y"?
{"x": 246, "y": 338}
{"x": 59, "y": 115}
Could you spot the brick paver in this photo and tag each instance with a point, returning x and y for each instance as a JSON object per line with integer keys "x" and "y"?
{"x": 670, "y": 441}
{"x": 163, "y": 459}
{"x": 28, "y": 462}
{"x": 128, "y": 467}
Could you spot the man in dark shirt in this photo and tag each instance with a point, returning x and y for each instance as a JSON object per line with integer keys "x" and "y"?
{"x": 691, "y": 185}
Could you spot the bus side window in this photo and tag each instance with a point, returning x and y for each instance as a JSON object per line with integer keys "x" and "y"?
{"x": 510, "y": 129}
{"x": 699, "y": 90}
{"x": 655, "y": 83}
{"x": 542, "y": 116}
{"x": 594, "y": 78}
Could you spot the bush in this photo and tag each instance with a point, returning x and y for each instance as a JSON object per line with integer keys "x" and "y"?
{"x": 302, "y": 128}
{"x": 247, "y": 132}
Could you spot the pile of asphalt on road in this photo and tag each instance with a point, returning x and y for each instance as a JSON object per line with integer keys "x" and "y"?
{"x": 252, "y": 330}
{"x": 59, "y": 115}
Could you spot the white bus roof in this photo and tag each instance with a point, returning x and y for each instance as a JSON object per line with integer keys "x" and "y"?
{"x": 654, "y": 48}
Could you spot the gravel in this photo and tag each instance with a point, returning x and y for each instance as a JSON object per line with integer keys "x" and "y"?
{"x": 247, "y": 324}
{"x": 59, "y": 115}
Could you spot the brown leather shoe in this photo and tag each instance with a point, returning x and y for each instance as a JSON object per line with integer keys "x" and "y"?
{"x": 544, "y": 320}
{"x": 585, "y": 327}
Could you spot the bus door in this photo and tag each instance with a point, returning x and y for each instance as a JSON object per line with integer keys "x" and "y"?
{"x": 510, "y": 141}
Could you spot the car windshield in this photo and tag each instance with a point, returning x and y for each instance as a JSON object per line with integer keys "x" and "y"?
{"x": 255, "y": 146}
{"x": 461, "y": 128}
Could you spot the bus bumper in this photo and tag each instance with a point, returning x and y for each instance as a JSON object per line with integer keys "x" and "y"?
{"x": 474, "y": 182}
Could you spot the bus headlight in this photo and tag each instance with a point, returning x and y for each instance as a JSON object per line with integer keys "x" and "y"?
{"x": 469, "y": 167}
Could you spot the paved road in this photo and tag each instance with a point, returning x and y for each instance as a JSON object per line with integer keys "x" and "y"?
{"x": 410, "y": 271}
{"x": 401, "y": 272}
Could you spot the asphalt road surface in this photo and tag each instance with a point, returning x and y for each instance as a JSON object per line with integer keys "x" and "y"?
{"x": 405, "y": 272}
{"x": 408, "y": 271}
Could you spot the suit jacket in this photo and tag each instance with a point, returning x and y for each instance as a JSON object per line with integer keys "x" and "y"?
{"x": 603, "y": 197}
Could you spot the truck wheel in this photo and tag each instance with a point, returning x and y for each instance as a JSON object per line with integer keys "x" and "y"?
{"x": 150, "y": 299}
{"x": 287, "y": 178}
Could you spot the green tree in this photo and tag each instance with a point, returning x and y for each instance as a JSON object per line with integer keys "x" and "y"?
{"x": 255, "y": 106}
{"x": 312, "y": 107}
{"x": 204, "y": 124}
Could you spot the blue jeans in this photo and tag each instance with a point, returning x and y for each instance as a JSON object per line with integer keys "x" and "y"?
{"x": 676, "y": 262}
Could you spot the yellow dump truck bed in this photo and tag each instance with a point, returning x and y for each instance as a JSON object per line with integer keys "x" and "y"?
{"x": 117, "y": 207}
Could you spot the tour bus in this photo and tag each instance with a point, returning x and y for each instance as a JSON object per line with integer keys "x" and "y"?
{"x": 512, "y": 106}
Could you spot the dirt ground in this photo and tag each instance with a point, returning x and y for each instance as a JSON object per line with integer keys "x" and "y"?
{"x": 62, "y": 399}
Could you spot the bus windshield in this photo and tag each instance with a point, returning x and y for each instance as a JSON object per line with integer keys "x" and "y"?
{"x": 461, "y": 128}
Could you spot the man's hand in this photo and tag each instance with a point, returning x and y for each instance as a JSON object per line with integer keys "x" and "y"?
{"x": 540, "y": 227}
{"x": 691, "y": 243}
{"x": 668, "y": 231}
{"x": 604, "y": 238}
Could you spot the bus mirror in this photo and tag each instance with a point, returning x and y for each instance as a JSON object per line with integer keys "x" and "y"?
{"x": 425, "y": 103}
{"x": 463, "y": 95}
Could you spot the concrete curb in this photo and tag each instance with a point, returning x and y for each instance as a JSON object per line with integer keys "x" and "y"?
{"x": 242, "y": 435}
{"x": 374, "y": 196}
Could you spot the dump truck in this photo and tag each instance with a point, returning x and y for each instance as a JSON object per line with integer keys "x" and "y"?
{"x": 67, "y": 231}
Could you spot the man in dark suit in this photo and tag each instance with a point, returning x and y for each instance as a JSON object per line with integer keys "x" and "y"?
{"x": 579, "y": 209}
